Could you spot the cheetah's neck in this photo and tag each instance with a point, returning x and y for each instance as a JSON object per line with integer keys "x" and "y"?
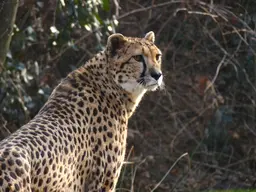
{"x": 98, "y": 66}
{"x": 94, "y": 74}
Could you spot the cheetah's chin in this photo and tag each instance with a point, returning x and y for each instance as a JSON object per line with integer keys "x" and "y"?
{"x": 152, "y": 87}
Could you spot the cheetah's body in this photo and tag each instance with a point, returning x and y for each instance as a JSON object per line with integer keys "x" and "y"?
{"x": 77, "y": 141}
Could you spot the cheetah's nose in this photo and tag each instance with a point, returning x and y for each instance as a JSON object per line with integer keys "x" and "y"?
{"x": 156, "y": 75}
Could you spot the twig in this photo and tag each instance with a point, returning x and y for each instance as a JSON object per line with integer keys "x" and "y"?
{"x": 216, "y": 74}
{"x": 167, "y": 173}
{"x": 248, "y": 80}
{"x": 117, "y": 7}
{"x": 76, "y": 42}
{"x": 126, "y": 163}
{"x": 233, "y": 171}
{"x": 134, "y": 174}
{"x": 195, "y": 12}
{"x": 149, "y": 8}
{"x": 240, "y": 30}
{"x": 184, "y": 128}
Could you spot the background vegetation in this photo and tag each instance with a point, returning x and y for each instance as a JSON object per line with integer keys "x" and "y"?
{"x": 207, "y": 109}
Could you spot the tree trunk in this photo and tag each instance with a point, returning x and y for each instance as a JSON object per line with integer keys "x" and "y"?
{"x": 8, "y": 10}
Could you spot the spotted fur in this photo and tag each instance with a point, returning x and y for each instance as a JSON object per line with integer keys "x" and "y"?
{"x": 77, "y": 140}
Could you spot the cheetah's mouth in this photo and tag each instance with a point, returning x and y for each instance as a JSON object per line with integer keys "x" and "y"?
{"x": 150, "y": 83}
{"x": 152, "y": 87}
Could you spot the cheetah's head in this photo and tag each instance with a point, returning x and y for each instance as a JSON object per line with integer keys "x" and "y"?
{"x": 135, "y": 63}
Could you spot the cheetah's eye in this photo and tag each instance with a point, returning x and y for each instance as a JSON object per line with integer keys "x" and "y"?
{"x": 158, "y": 57}
{"x": 138, "y": 58}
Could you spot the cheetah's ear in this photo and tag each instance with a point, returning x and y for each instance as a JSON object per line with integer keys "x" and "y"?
{"x": 150, "y": 36}
{"x": 115, "y": 42}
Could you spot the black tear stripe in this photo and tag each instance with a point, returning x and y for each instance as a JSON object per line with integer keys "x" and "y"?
{"x": 144, "y": 67}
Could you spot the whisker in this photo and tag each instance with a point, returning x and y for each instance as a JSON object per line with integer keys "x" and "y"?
{"x": 138, "y": 85}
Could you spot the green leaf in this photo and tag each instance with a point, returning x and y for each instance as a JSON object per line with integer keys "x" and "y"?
{"x": 83, "y": 15}
{"x": 96, "y": 15}
{"x": 105, "y": 5}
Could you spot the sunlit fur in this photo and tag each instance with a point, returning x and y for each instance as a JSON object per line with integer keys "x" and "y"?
{"x": 77, "y": 141}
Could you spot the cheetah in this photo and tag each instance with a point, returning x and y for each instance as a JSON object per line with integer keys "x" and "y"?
{"x": 77, "y": 140}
